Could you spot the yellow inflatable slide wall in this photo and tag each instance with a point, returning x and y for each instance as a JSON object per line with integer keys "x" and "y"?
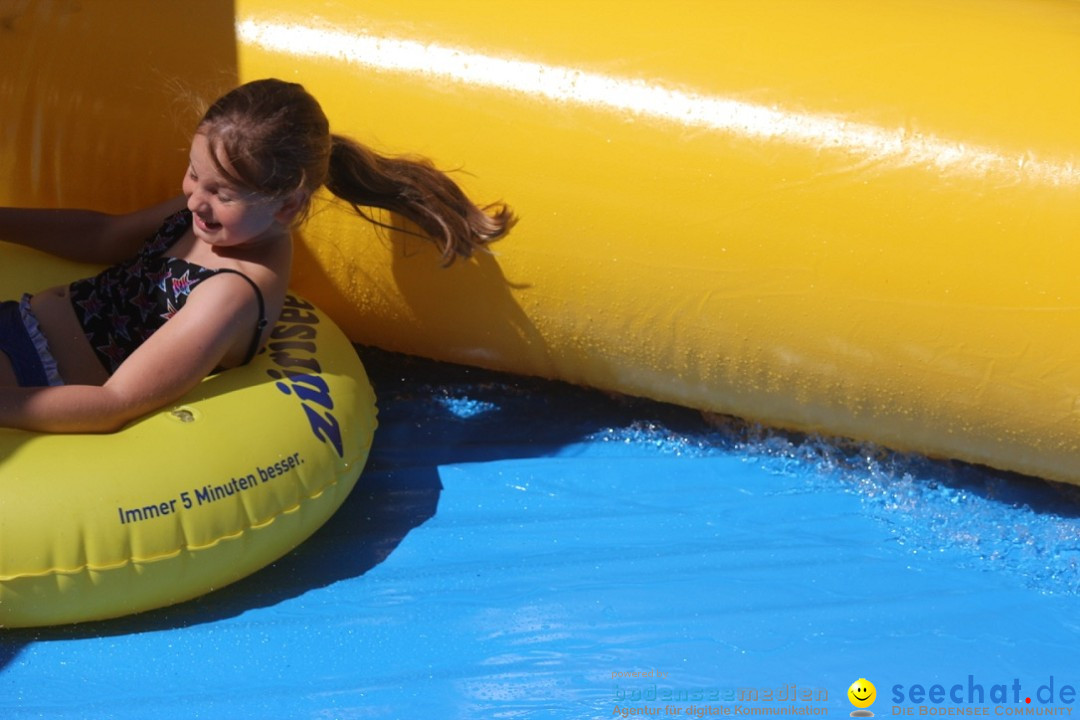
{"x": 858, "y": 218}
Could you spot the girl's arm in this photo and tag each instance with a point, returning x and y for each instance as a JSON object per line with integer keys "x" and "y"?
{"x": 220, "y": 313}
{"x": 84, "y": 235}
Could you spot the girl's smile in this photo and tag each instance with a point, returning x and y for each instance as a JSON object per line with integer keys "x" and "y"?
{"x": 205, "y": 225}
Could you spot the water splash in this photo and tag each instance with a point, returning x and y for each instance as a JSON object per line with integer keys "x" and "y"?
{"x": 985, "y": 518}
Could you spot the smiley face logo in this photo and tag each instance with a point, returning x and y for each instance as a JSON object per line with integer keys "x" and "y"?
{"x": 862, "y": 694}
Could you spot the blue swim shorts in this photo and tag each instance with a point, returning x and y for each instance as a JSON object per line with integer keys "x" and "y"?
{"x": 25, "y": 346}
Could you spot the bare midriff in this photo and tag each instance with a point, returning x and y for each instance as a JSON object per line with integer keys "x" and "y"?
{"x": 75, "y": 359}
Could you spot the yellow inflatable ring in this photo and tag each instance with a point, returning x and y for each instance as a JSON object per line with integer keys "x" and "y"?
{"x": 187, "y": 499}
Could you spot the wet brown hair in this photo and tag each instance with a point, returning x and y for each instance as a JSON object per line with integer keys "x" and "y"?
{"x": 277, "y": 140}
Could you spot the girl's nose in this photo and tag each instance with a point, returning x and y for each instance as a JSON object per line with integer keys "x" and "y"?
{"x": 196, "y": 201}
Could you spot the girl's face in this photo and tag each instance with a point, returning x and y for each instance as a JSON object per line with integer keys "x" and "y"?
{"x": 223, "y": 214}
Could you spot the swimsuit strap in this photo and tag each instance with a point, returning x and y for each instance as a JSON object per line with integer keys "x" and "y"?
{"x": 254, "y": 348}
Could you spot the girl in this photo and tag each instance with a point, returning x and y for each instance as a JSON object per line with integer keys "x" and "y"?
{"x": 204, "y": 290}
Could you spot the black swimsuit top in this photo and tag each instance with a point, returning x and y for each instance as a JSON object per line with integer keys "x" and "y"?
{"x": 125, "y": 304}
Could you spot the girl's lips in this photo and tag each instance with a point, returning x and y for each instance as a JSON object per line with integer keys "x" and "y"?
{"x": 205, "y": 225}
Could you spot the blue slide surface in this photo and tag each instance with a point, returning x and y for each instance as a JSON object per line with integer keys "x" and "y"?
{"x": 524, "y": 549}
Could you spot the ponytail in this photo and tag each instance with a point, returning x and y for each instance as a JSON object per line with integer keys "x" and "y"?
{"x": 416, "y": 190}
{"x": 272, "y": 137}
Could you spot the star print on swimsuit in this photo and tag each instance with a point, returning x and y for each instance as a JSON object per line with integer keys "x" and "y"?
{"x": 120, "y": 325}
{"x": 92, "y": 305}
{"x": 160, "y": 278}
{"x": 183, "y": 284}
{"x": 170, "y": 310}
{"x": 125, "y": 304}
{"x": 145, "y": 303}
{"x": 113, "y": 351}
